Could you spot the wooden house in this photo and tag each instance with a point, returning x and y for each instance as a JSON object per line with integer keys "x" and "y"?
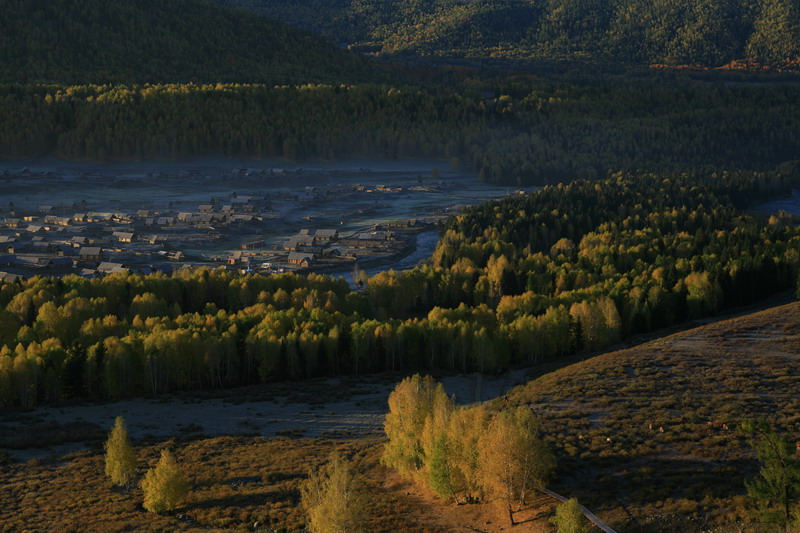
{"x": 304, "y": 260}
{"x": 124, "y": 236}
{"x": 326, "y": 235}
{"x": 90, "y": 253}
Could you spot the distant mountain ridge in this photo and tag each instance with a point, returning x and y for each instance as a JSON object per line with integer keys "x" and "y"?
{"x": 134, "y": 41}
{"x": 708, "y": 32}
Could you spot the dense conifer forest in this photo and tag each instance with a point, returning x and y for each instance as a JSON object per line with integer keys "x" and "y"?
{"x": 131, "y": 80}
{"x": 571, "y": 268}
{"x": 517, "y": 132}
{"x": 113, "y": 41}
{"x": 652, "y": 31}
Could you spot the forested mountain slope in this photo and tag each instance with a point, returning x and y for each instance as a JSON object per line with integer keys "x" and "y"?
{"x": 533, "y": 133}
{"x": 662, "y": 31}
{"x": 100, "y": 41}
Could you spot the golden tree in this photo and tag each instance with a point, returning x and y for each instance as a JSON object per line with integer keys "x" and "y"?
{"x": 334, "y": 498}
{"x": 410, "y": 404}
{"x": 120, "y": 456}
{"x": 164, "y": 485}
{"x": 513, "y": 459}
{"x": 464, "y": 431}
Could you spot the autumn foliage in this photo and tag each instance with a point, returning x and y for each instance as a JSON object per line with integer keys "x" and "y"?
{"x": 164, "y": 486}
{"x": 465, "y": 454}
{"x": 120, "y": 455}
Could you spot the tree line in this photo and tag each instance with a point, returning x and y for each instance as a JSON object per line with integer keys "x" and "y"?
{"x": 571, "y": 268}
{"x": 516, "y": 133}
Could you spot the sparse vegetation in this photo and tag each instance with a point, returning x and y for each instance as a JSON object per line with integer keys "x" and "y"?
{"x": 236, "y": 482}
{"x": 673, "y": 462}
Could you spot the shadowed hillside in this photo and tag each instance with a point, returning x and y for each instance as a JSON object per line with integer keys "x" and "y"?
{"x": 660, "y": 31}
{"x": 100, "y": 41}
{"x": 650, "y": 435}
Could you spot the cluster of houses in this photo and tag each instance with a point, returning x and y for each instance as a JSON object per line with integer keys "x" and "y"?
{"x": 68, "y": 238}
{"x": 307, "y": 249}
{"x": 93, "y": 241}
{"x": 320, "y": 249}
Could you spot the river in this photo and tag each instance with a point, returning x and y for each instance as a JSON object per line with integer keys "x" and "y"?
{"x": 790, "y": 204}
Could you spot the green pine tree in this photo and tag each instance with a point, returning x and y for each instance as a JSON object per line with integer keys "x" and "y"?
{"x": 778, "y": 480}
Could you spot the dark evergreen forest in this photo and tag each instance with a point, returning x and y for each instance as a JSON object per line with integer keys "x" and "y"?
{"x": 136, "y": 41}
{"x": 527, "y": 133}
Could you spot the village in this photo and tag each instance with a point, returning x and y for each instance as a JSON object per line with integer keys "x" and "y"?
{"x": 321, "y": 227}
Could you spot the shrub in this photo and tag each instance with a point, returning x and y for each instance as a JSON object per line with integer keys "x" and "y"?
{"x": 569, "y": 518}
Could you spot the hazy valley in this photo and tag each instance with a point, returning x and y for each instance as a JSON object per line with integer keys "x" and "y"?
{"x": 380, "y": 265}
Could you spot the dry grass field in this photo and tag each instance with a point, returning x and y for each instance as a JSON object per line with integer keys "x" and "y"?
{"x": 237, "y": 484}
{"x": 647, "y": 437}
